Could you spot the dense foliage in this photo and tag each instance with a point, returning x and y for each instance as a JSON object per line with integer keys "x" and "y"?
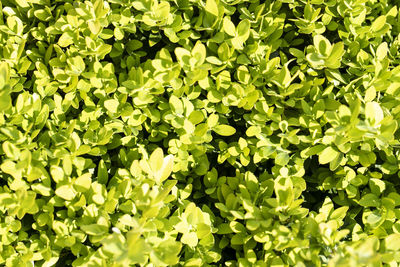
{"x": 199, "y": 132}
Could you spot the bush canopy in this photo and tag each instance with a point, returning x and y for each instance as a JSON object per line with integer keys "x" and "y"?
{"x": 199, "y": 133}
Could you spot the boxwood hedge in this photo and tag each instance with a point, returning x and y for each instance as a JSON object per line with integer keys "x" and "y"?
{"x": 199, "y": 133}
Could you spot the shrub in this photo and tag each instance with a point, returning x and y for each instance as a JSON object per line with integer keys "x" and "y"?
{"x": 199, "y": 133}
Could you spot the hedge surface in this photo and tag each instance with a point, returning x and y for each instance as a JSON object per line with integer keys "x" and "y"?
{"x": 199, "y": 133}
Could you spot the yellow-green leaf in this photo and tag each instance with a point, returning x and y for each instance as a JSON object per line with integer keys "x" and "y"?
{"x": 378, "y": 24}
{"x": 111, "y": 105}
{"x": 190, "y": 239}
{"x": 83, "y": 182}
{"x": 66, "y": 192}
{"x": 212, "y": 7}
{"x": 224, "y": 130}
{"x": 327, "y": 155}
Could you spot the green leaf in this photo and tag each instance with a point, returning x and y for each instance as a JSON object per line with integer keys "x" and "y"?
{"x": 176, "y": 105}
{"x": 66, "y": 192}
{"x": 377, "y": 186}
{"x": 339, "y": 213}
{"x": 83, "y": 182}
{"x": 5, "y": 97}
{"x": 168, "y": 251}
{"x": 67, "y": 165}
{"x": 237, "y": 239}
{"x": 76, "y": 64}
{"x": 11, "y": 150}
{"x": 57, "y": 173}
{"x": 312, "y": 150}
{"x": 327, "y": 155}
{"x": 243, "y": 30}
{"x": 224, "y": 130}
{"x": 212, "y": 120}
{"x": 102, "y": 173}
{"x": 378, "y": 24}
{"x": 43, "y": 14}
{"x": 373, "y": 113}
{"x": 161, "y": 166}
{"x": 392, "y": 242}
{"x": 229, "y": 27}
{"x": 66, "y": 39}
{"x": 284, "y": 191}
{"x": 118, "y": 33}
{"x": 282, "y": 158}
{"x": 199, "y": 53}
{"x": 190, "y": 239}
{"x": 369, "y": 200}
{"x": 15, "y": 24}
{"x": 322, "y": 45}
{"x": 4, "y": 74}
{"x": 111, "y": 105}
{"x": 382, "y": 50}
{"x": 5, "y": 100}
{"x": 196, "y": 117}
{"x": 22, "y": 3}
{"x": 335, "y": 57}
{"x": 317, "y": 61}
{"x": 212, "y": 7}
{"x": 94, "y": 229}
{"x": 183, "y": 55}
{"x": 156, "y": 159}
{"x": 162, "y": 10}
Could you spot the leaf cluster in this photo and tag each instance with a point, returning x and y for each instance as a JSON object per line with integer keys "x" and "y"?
{"x": 199, "y": 133}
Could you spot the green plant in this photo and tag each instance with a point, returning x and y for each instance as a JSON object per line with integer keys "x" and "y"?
{"x": 199, "y": 133}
